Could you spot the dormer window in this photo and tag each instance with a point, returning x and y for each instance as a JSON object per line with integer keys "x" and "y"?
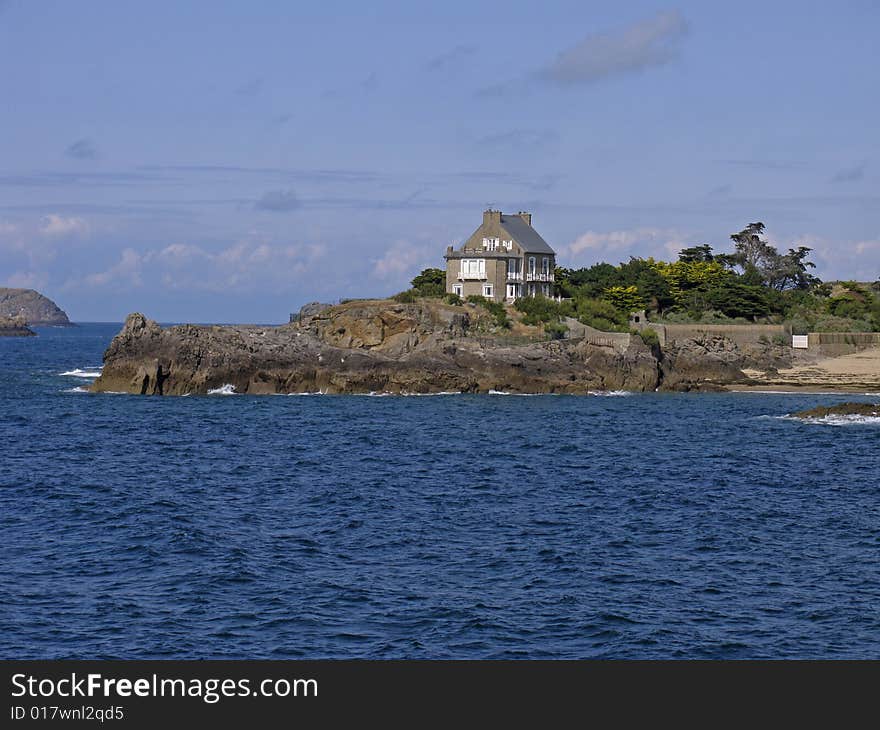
{"x": 491, "y": 244}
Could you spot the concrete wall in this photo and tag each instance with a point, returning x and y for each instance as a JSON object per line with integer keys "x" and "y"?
{"x": 835, "y": 344}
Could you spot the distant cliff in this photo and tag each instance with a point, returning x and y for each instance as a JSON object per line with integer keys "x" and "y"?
{"x": 32, "y": 307}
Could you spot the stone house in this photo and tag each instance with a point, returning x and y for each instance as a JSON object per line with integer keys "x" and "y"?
{"x": 504, "y": 258}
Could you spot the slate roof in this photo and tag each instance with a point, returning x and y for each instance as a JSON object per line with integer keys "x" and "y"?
{"x": 525, "y": 235}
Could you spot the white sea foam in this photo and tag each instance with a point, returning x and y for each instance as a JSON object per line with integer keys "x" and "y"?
{"x": 499, "y": 392}
{"x": 228, "y": 389}
{"x": 317, "y": 392}
{"x": 611, "y": 393}
{"x": 87, "y": 373}
{"x": 77, "y": 389}
{"x": 836, "y": 420}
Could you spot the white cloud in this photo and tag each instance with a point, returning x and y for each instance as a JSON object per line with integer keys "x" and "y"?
{"x": 642, "y": 45}
{"x": 243, "y": 266}
{"x": 595, "y": 246}
{"x": 402, "y": 258}
{"x": 56, "y": 225}
{"x": 127, "y": 271}
{"x": 27, "y": 280}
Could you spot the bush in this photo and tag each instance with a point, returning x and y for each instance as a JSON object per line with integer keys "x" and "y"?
{"x": 453, "y": 299}
{"x": 537, "y": 310}
{"x": 405, "y": 297}
{"x": 555, "y": 330}
{"x": 601, "y": 315}
{"x": 649, "y": 337}
{"x": 496, "y": 309}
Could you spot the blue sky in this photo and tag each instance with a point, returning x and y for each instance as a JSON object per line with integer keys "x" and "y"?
{"x": 229, "y": 161}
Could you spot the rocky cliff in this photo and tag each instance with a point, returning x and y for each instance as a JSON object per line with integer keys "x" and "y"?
{"x": 384, "y": 346}
{"x": 15, "y": 327}
{"x": 359, "y": 347}
{"x": 32, "y": 307}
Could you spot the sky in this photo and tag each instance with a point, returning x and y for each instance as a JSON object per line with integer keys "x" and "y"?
{"x": 231, "y": 161}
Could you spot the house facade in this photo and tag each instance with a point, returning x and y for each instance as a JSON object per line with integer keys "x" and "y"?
{"x": 505, "y": 258}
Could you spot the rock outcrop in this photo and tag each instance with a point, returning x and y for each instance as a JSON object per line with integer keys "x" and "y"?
{"x": 361, "y": 347}
{"x": 15, "y": 327}
{"x": 32, "y": 307}
{"x": 870, "y": 410}
{"x": 422, "y": 347}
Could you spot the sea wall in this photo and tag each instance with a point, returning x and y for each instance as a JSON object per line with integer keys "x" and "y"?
{"x": 835, "y": 344}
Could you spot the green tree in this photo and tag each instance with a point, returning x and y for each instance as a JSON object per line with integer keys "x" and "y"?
{"x": 430, "y": 283}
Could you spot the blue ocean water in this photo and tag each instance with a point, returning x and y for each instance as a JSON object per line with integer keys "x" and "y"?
{"x": 648, "y": 526}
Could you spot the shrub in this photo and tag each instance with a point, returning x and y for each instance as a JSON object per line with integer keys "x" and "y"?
{"x": 779, "y": 340}
{"x": 649, "y": 337}
{"x": 496, "y": 309}
{"x": 537, "y": 310}
{"x": 453, "y": 299}
{"x": 405, "y": 297}
{"x": 555, "y": 330}
{"x": 601, "y": 315}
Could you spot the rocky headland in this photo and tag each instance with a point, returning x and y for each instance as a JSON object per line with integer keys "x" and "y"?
{"x": 15, "y": 327}
{"x": 421, "y": 347}
{"x": 32, "y": 307}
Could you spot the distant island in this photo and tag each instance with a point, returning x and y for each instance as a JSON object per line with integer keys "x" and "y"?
{"x": 32, "y": 308}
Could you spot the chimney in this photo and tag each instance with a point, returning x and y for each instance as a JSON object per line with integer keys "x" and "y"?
{"x": 527, "y": 217}
{"x": 491, "y": 215}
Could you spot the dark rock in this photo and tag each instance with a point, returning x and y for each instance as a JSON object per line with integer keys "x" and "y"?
{"x": 15, "y": 327}
{"x": 841, "y": 409}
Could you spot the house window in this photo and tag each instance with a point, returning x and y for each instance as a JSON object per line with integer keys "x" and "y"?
{"x": 531, "y": 265}
{"x": 456, "y": 288}
{"x": 490, "y": 244}
{"x": 487, "y": 290}
{"x": 531, "y": 290}
{"x": 513, "y": 267}
{"x": 473, "y": 268}
{"x": 545, "y": 265}
{"x": 545, "y": 289}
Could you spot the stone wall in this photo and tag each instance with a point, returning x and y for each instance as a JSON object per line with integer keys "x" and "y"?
{"x": 835, "y": 344}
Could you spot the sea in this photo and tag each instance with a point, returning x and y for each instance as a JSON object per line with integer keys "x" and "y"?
{"x": 612, "y": 525}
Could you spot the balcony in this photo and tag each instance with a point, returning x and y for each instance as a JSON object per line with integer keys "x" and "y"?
{"x": 468, "y": 276}
{"x": 536, "y": 276}
{"x": 514, "y": 276}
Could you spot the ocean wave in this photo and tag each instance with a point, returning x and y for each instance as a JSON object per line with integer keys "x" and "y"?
{"x": 499, "y": 392}
{"x": 228, "y": 389}
{"x": 610, "y": 393}
{"x": 79, "y": 373}
{"x": 835, "y": 420}
{"x": 77, "y": 389}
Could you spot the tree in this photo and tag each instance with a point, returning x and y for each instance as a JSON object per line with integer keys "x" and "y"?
{"x": 625, "y": 298}
{"x": 430, "y": 283}
{"x": 696, "y": 253}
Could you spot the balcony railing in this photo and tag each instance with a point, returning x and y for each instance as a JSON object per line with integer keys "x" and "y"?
{"x": 538, "y": 276}
{"x": 514, "y": 276}
{"x": 468, "y": 276}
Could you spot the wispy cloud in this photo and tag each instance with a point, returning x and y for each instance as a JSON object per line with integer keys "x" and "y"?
{"x": 244, "y": 266}
{"x": 850, "y": 174}
{"x": 649, "y": 43}
{"x": 58, "y": 225}
{"x": 82, "y": 149}
{"x": 646, "y": 44}
{"x": 278, "y": 201}
{"x": 518, "y": 139}
{"x": 595, "y": 246}
{"x": 766, "y": 164}
{"x": 450, "y": 58}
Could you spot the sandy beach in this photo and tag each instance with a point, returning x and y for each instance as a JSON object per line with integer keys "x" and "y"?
{"x": 855, "y": 373}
